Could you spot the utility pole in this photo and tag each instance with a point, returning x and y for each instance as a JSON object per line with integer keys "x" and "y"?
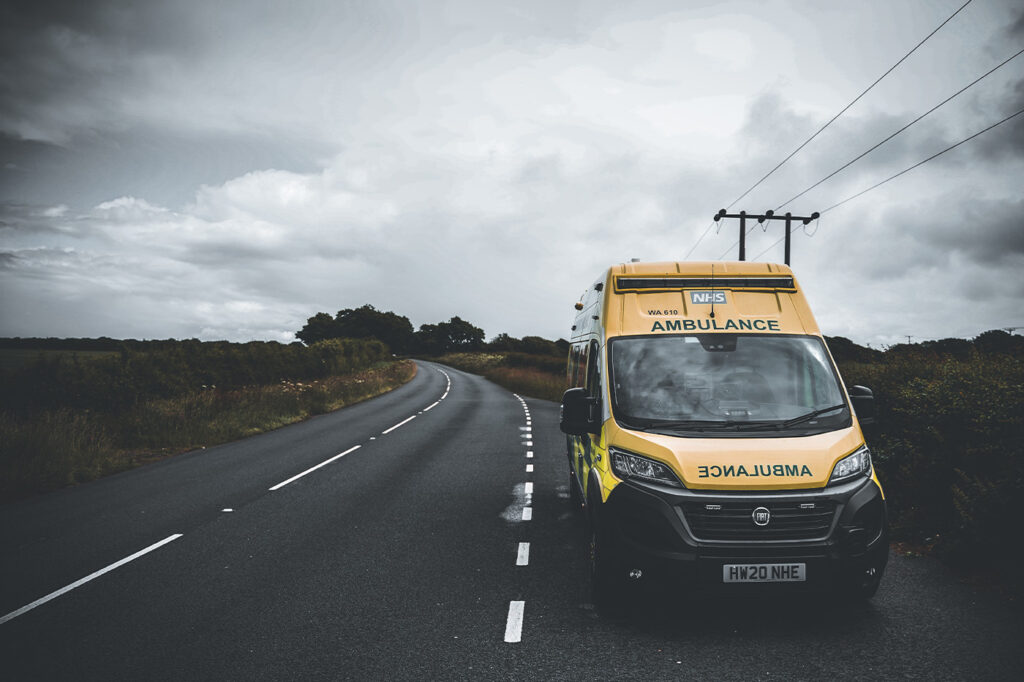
{"x": 767, "y": 215}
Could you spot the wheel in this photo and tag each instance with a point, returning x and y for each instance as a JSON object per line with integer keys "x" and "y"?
{"x": 575, "y": 499}
{"x": 861, "y": 587}
{"x": 607, "y": 572}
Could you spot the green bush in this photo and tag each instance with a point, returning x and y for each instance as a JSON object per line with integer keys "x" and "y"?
{"x": 165, "y": 369}
{"x": 65, "y": 419}
{"x": 949, "y": 448}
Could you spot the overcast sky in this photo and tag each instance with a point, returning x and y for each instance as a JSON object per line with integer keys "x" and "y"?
{"x": 224, "y": 170}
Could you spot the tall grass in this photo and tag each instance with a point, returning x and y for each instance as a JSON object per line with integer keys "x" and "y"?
{"x": 536, "y": 376}
{"x": 48, "y": 449}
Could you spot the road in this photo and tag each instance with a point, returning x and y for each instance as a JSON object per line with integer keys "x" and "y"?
{"x": 405, "y": 559}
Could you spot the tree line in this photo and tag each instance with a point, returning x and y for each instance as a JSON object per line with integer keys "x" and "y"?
{"x": 454, "y": 336}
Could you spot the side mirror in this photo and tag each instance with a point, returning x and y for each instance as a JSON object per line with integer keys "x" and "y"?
{"x": 577, "y": 416}
{"x": 863, "y": 400}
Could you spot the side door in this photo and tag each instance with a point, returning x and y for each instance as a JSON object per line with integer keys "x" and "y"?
{"x": 590, "y": 452}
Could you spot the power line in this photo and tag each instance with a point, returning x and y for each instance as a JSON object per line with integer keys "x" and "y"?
{"x": 921, "y": 163}
{"x": 863, "y": 154}
{"x": 843, "y": 110}
{"x": 699, "y": 239}
{"x": 905, "y": 170}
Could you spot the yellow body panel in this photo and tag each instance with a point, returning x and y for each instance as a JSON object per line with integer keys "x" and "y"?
{"x": 758, "y": 463}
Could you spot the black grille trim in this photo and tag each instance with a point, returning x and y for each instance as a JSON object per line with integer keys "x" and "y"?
{"x": 733, "y": 521}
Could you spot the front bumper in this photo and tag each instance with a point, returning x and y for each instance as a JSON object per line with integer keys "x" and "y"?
{"x": 686, "y": 536}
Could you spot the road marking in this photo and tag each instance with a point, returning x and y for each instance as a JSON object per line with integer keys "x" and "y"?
{"x": 527, "y": 513}
{"x": 523, "y": 558}
{"x": 312, "y": 469}
{"x": 91, "y": 576}
{"x": 529, "y": 468}
{"x": 432, "y": 406}
{"x": 528, "y": 488}
{"x": 529, "y": 454}
{"x": 514, "y": 624}
{"x": 227, "y": 509}
{"x": 404, "y": 421}
{"x": 529, "y": 442}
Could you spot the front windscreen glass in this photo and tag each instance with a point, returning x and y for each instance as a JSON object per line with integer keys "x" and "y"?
{"x": 707, "y": 383}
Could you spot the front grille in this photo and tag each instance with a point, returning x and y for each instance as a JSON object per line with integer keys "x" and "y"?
{"x": 726, "y": 520}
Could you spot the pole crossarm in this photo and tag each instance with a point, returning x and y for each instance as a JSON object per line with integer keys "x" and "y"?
{"x": 743, "y": 216}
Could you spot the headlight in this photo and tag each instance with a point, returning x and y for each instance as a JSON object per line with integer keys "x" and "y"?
{"x": 857, "y": 464}
{"x": 626, "y": 465}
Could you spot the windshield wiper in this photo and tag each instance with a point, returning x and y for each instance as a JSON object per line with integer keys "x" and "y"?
{"x": 809, "y": 416}
{"x": 692, "y": 424}
{"x": 738, "y": 424}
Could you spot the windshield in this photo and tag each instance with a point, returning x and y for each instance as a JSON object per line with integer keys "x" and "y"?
{"x": 708, "y": 382}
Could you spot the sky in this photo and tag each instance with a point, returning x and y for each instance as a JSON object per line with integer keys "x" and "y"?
{"x": 226, "y": 170}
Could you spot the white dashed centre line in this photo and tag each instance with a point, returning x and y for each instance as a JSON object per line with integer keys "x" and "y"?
{"x": 514, "y": 624}
{"x": 527, "y": 513}
{"x": 312, "y": 469}
{"x": 529, "y": 468}
{"x": 404, "y": 421}
{"x": 523, "y": 557}
{"x": 93, "y": 576}
{"x": 528, "y": 488}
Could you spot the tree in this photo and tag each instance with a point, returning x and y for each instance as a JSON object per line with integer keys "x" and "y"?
{"x": 320, "y": 327}
{"x": 365, "y": 322}
{"x": 462, "y": 335}
{"x": 447, "y": 337}
{"x": 360, "y": 323}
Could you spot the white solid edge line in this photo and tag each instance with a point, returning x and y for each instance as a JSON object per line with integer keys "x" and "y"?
{"x": 404, "y": 421}
{"x": 91, "y": 576}
{"x": 523, "y": 556}
{"x": 427, "y": 409}
{"x": 514, "y": 624}
{"x": 527, "y": 513}
{"x": 312, "y": 469}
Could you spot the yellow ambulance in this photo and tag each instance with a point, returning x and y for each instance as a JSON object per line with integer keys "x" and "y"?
{"x": 711, "y": 440}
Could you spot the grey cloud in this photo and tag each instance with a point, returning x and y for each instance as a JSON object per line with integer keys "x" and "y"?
{"x": 163, "y": 166}
{"x": 985, "y": 230}
{"x": 1016, "y": 29}
{"x": 1006, "y": 142}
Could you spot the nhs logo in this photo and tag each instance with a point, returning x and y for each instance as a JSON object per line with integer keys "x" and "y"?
{"x": 707, "y": 297}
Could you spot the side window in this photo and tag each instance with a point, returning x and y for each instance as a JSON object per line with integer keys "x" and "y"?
{"x": 594, "y": 371}
{"x": 581, "y": 368}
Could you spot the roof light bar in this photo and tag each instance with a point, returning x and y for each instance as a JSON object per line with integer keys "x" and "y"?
{"x": 640, "y": 283}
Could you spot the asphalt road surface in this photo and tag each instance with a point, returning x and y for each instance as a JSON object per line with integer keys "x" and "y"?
{"x": 441, "y": 546}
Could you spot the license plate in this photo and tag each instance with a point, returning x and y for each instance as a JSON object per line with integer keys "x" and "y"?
{"x": 764, "y": 573}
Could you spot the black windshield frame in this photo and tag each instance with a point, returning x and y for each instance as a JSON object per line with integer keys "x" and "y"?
{"x": 729, "y": 428}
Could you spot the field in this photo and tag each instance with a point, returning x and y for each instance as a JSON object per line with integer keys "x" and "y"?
{"x": 13, "y": 359}
{"x": 68, "y": 416}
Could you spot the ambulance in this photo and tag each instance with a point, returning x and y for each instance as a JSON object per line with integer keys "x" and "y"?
{"x": 711, "y": 440}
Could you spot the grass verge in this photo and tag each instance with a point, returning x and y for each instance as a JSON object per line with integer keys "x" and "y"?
{"x": 42, "y": 451}
{"x": 534, "y": 376}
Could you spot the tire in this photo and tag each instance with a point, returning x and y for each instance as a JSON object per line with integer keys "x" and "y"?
{"x": 607, "y": 572}
{"x": 861, "y": 587}
{"x": 575, "y": 499}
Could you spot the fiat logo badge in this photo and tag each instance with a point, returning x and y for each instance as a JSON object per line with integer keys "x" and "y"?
{"x": 761, "y": 516}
